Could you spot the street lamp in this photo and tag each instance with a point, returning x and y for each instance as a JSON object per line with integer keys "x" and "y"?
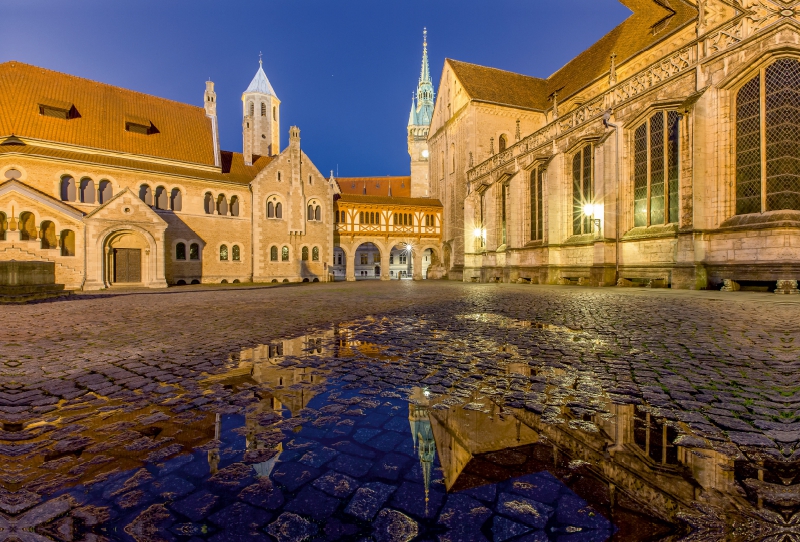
{"x": 589, "y": 211}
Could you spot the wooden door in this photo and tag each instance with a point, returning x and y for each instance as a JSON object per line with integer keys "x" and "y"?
{"x": 127, "y": 265}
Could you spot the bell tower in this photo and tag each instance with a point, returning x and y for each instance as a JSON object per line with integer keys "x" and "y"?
{"x": 419, "y": 123}
{"x": 260, "y": 118}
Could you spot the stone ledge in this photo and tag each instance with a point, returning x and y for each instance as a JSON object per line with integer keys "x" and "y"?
{"x": 770, "y": 219}
{"x": 649, "y": 232}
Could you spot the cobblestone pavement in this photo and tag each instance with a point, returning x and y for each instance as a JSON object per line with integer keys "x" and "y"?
{"x": 674, "y": 413}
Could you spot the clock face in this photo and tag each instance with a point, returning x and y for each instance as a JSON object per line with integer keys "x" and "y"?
{"x": 425, "y": 153}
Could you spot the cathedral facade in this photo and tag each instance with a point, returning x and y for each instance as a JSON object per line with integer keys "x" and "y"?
{"x": 666, "y": 154}
{"x": 121, "y": 188}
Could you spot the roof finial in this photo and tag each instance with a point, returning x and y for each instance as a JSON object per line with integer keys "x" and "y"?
{"x": 425, "y": 36}
{"x": 260, "y": 62}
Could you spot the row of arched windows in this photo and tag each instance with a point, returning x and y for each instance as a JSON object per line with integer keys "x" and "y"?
{"x": 284, "y": 254}
{"x": 403, "y": 219}
{"x": 235, "y": 253}
{"x": 180, "y": 251}
{"x": 163, "y": 200}
{"x": 85, "y": 191}
{"x": 46, "y": 234}
{"x": 221, "y": 205}
{"x": 369, "y": 217}
{"x": 251, "y": 110}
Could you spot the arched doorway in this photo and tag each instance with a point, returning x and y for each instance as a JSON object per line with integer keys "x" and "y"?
{"x": 127, "y": 253}
{"x": 367, "y": 262}
{"x": 401, "y": 262}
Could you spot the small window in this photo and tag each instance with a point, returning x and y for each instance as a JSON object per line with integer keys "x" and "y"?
{"x": 278, "y": 210}
{"x": 263, "y": 109}
{"x": 176, "y": 200}
{"x": 318, "y": 213}
{"x": 274, "y": 113}
{"x": 106, "y": 191}
{"x": 180, "y": 251}
{"x": 364, "y": 259}
{"x": 68, "y": 243}
{"x": 315, "y": 254}
{"x": 273, "y": 254}
{"x": 87, "y": 192}
{"x": 311, "y": 212}
{"x": 142, "y": 129}
{"x": 251, "y": 108}
{"x": 194, "y": 251}
{"x": 223, "y": 253}
{"x": 208, "y": 203}
{"x": 279, "y": 176}
{"x": 68, "y": 188}
{"x": 270, "y": 210}
{"x": 222, "y": 205}
{"x": 502, "y": 143}
{"x": 305, "y": 254}
{"x": 236, "y": 253}
{"x": 285, "y": 254}
{"x": 146, "y": 194}
{"x": 235, "y": 206}
{"x": 161, "y": 199}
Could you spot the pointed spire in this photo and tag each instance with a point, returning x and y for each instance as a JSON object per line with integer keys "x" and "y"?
{"x": 425, "y": 75}
{"x": 422, "y": 113}
{"x": 260, "y": 84}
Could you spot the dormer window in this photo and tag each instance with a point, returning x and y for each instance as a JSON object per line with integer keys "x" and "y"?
{"x": 58, "y": 110}
{"x": 140, "y": 128}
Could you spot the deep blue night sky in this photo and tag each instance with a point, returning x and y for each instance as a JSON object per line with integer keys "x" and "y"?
{"x": 343, "y": 69}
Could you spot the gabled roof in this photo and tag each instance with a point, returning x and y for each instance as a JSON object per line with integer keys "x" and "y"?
{"x": 98, "y": 114}
{"x": 651, "y": 21}
{"x": 375, "y": 186}
{"x": 260, "y": 83}
{"x": 14, "y": 185}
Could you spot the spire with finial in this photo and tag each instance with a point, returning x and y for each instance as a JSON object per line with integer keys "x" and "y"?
{"x": 260, "y": 84}
{"x": 423, "y": 110}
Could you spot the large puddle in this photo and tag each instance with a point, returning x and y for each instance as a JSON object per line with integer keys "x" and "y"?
{"x": 391, "y": 430}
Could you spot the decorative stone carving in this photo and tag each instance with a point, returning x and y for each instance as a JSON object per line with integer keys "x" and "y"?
{"x": 787, "y": 287}
{"x": 729, "y": 285}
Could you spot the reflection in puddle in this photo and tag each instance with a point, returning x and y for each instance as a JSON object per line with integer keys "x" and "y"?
{"x": 392, "y": 430}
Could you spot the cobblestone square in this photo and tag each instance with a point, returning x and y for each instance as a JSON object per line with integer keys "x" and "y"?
{"x": 284, "y": 412}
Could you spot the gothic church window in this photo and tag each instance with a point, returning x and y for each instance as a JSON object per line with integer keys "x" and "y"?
{"x": 768, "y": 140}
{"x": 582, "y": 190}
{"x": 537, "y": 213}
{"x": 655, "y": 170}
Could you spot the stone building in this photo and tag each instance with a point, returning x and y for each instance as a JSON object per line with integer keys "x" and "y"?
{"x": 119, "y": 187}
{"x": 665, "y": 154}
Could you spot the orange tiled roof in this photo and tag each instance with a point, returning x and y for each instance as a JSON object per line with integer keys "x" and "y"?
{"x": 375, "y": 186}
{"x": 385, "y": 200}
{"x": 651, "y": 21}
{"x": 100, "y": 113}
{"x": 233, "y": 168}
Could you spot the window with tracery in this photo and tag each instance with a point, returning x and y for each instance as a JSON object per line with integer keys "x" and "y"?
{"x": 537, "y": 213}
{"x": 655, "y": 170}
{"x": 582, "y": 190}
{"x": 768, "y": 140}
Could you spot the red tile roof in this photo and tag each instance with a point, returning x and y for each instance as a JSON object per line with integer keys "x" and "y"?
{"x": 375, "y": 186}
{"x": 99, "y": 115}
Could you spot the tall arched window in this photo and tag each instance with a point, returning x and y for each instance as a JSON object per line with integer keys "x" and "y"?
{"x": 180, "y": 251}
{"x": 318, "y": 213}
{"x": 278, "y": 210}
{"x": 176, "y": 200}
{"x": 223, "y": 253}
{"x": 315, "y": 254}
{"x": 263, "y": 109}
{"x": 27, "y": 227}
{"x": 49, "y": 239}
{"x": 305, "y": 253}
{"x": 235, "y": 206}
{"x": 161, "y": 200}
{"x": 146, "y": 194}
{"x": 582, "y": 192}
{"x": 270, "y": 209}
{"x": 537, "y": 213}
{"x": 502, "y": 143}
{"x": 68, "y": 243}
{"x": 222, "y": 205}
{"x": 208, "y": 203}
{"x": 310, "y": 212}
{"x": 236, "y": 253}
{"x": 285, "y": 254}
{"x": 106, "y": 191}
{"x": 273, "y": 254}
{"x": 68, "y": 188}
{"x": 194, "y": 251}
{"x": 655, "y": 170}
{"x": 87, "y": 193}
{"x": 767, "y": 142}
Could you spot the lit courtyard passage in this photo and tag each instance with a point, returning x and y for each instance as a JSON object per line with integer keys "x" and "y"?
{"x": 401, "y": 410}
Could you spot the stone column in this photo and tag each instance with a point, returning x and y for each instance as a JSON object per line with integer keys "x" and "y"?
{"x": 385, "y": 265}
{"x": 350, "y": 271}
{"x": 417, "y": 270}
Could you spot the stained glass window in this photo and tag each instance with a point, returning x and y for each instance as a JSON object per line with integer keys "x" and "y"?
{"x": 655, "y": 170}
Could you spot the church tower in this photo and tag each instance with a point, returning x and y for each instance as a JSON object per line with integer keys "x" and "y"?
{"x": 260, "y": 118}
{"x": 419, "y": 123}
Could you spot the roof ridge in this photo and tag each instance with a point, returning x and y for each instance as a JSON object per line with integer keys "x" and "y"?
{"x": 64, "y": 74}
{"x": 495, "y": 69}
